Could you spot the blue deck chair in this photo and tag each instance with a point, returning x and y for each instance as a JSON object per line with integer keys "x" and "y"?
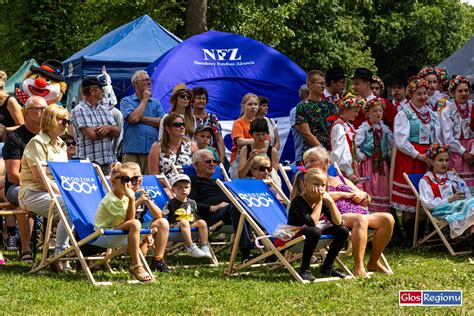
{"x": 81, "y": 187}
{"x": 413, "y": 181}
{"x": 190, "y": 170}
{"x": 157, "y": 192}
{"x": 261, "y": 209}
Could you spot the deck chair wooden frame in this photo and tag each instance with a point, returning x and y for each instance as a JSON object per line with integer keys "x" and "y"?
{"x": 179, "y": 169}
{"x": 284, "y": 175}
{"x": 177, "y": 243}
{"x": 75, "y": 245}
{"x": 438, "y": 224}
{"x": 271, "y": 249}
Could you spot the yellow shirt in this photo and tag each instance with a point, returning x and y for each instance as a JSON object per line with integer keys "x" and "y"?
{"x": 41, "y": 147}
{"x": 111, "y": 211}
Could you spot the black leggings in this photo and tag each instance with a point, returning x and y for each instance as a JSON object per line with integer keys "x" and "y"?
{"x": 313, "y": 234}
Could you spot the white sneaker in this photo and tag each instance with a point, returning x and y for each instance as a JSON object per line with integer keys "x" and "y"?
{"x": 207, "y": 251}
{"x": 195, "y": 252}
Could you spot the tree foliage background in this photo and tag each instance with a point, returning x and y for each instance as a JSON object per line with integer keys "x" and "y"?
{"x": 386, "y": 36}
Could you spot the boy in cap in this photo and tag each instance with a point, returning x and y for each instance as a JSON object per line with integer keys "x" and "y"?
{"x": 203, "y": 136}
{"x": 181, "y": 212}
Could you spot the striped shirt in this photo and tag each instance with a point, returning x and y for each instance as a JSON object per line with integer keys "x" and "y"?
{"x": 85, "y": 115}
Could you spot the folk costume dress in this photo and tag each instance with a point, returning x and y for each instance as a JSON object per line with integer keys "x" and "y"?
{"x": 343, "y": 147}
{"x": 435, "y": 189}
{"x": 457, "y": 122}
{"x": 414, "y": 131}
{"x": 374, "y": 147}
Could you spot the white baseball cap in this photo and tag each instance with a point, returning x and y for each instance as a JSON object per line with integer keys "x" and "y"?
{"x": 180, "y": 177}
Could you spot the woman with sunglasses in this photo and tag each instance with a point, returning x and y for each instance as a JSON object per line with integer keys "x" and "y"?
{"x": 261, "y": 168}
{"x": 117, "y": 211}
{"x": 33, "y": 195}
{"x": 172, "y": 149}
{"x": 181, "y": 104}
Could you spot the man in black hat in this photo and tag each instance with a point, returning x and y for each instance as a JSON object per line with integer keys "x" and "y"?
{"x": 94, "y": 125}
{"x": 335, "y": 84}
{"x": 361, "y": 85}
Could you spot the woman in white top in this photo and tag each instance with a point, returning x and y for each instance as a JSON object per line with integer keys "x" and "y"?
{"x": 458, "y": 129}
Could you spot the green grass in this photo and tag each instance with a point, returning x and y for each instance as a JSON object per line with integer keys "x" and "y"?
{"x": 208, "y": 291}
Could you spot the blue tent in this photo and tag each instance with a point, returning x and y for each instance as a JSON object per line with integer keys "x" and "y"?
{"x": 123, "y": 51}
{"x": 229, "y": 66}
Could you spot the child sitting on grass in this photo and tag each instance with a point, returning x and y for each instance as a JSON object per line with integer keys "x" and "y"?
{"x": 117, "y": 211}
{"x": 181, "y": 212}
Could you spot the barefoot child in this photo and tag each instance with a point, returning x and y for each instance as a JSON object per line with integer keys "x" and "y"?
{"x": 117, "y": 211}
{"x": 181, "y": 212}
{"x": 374, "y": 142}
{"x": 445, "y": 194}
{"x": 145, "y": 204}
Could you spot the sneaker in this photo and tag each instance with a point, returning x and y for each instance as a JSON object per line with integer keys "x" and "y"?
{"x": 195, "y": 252}
{"x": 332, "y": 272}
{"x": 247, "y": 255}
{"x": 160, "y": 265}
{"x": 307, "y": 275}
{"x": 11, "y": 243}
{"x": 207, "y": 251}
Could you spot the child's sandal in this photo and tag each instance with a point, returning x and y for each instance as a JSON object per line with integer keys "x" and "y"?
{"x": 143, "y": 277}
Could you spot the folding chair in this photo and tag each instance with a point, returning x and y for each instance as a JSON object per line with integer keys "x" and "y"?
{"x": 190, "y": 170}
{"x": 153, "y": 185}
{"x": 260, "y": 208}
{"x": 82, "y": 188}
{"x": 439, "y": 224}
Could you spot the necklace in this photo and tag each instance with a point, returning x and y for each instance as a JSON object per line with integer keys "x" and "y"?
{"x": 424, "y": 118}
{"x": 463, "y": 113}
{"x": 439, "y": 180}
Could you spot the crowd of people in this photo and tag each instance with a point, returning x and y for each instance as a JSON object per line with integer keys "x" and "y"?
{"x": 428, "y": 127}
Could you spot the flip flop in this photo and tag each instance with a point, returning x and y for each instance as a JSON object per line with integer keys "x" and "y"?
{"x": 26, "y": 256}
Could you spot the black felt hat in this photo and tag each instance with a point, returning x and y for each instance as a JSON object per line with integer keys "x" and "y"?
{"x": 335, "y": 73}
{"x": 363, "y": 73}
{"x": 51, "y": 69}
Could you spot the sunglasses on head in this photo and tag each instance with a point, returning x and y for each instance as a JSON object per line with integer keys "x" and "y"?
{"x": 71, "y": 143}
{"x": 185, "y": 96}
{"x": 64, "y": 121}
{"x": 209, "y": 161}
{"x": 127, "y": 179}
{"x": 263, "y": 168}
{"x": 178, "y": 124}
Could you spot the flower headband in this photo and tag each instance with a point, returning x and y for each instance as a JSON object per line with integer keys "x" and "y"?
{"x": 373, "y": 102}
{"x": 436, "y": 149}
{"x": 351, "y": 101}
{"x": 456, "y": 81}
{"x": 442, "y": 73}
{"x": 380, "y": 82}
{"x": 428, "y": 70}
{"x": 416, "y": 83}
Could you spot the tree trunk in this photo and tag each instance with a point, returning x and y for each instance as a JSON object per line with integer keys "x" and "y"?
{"x": 196, "y": 17}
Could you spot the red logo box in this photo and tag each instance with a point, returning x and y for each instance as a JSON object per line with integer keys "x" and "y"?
{"x": 409, "y": 298}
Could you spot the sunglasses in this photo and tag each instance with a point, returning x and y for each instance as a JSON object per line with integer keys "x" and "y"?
{"x": 177, "y": 124}
{"x": 209, "y": 161}
{"x": 71, "y": 143}
{"x": 263, "y": 168}
{"x": 64, "y": 121}
{"x": 127, "y": 179}
{"x": 184, "y": 96}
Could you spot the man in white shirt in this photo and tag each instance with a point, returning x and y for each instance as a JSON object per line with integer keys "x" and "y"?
{"x": 361, "y": 85}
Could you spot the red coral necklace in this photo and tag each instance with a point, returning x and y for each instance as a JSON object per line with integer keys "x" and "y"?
{"x": 463, "y": 113}
{"x": 424, "y": 118}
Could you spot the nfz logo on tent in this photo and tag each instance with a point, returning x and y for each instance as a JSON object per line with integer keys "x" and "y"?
{"x": 225, "y": 54}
